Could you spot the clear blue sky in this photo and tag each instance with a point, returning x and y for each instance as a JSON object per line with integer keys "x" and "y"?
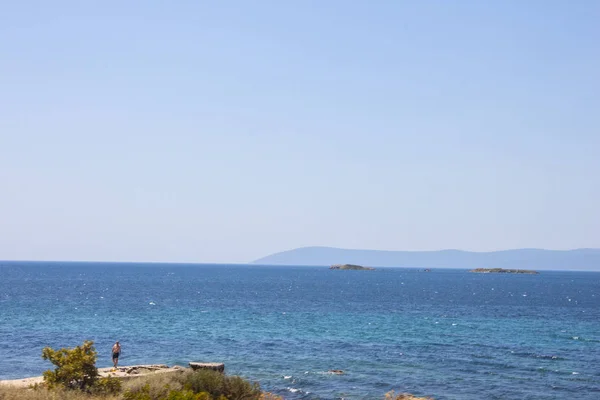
{"x": 224, "y": 131}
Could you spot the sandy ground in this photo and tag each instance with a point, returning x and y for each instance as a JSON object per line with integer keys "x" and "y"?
{"x": 125, "y": 372}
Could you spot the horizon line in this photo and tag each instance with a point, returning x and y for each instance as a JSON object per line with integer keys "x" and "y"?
{"x": 440, "y": 250}
{"x": 254, "y": 264}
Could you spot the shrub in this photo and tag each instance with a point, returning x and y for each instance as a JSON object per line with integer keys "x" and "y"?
{"x": 220, "y": 386}
{"x": 205, "y": 381}
{"x": 75, "y": 368}
{"x": 152, "y": 387}
{"x": 147, "y": 391}
{"x": 237, "y": 388}
{"x": 106, "y": 385}
{"x": 141, "y": 393}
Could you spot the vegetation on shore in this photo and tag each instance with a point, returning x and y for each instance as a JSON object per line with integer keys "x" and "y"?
{"x": 154, "y": 387}
{"x": 76, "y": 369}
{"x": 76, "y": 378}
{"x": 503, "y": 271}
{"x": 187, "y": 385}
{"x": 351, "y": 267}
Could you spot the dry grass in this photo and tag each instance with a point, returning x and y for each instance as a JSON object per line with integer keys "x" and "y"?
{"x": 11, "y": 393}
{"x": 156, "y": 383}
{"x": 156, "y": 386}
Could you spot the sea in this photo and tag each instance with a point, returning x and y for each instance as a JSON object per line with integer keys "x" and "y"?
{"x": 448, "y": 334}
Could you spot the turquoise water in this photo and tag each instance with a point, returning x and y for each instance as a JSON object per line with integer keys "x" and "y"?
{"x": 449, "y": 334}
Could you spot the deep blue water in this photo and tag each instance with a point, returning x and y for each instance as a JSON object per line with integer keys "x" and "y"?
{"x": 449, "y": 334}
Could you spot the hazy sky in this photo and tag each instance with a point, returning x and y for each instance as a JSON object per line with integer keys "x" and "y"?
{"x": 223, "y": 131}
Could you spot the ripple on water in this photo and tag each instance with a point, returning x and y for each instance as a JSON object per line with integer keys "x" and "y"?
{"x": 382, "y": 337}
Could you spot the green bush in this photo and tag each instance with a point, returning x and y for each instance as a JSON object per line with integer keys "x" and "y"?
{"x": 150, "y": 390}
{"x": 152, "y": 387}
{"x": 205, "y": 381}
{"x": 75, "y": 368}
{"x": 106, "y": 385}
{"x": 237, "y": 388}
{"x": 140, "y": 393}
{"x": 220, "y": 386}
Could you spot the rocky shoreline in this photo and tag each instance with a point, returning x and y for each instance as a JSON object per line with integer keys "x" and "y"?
{"x": 123, "y": 373}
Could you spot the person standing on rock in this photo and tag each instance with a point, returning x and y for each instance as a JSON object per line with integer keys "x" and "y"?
{"x": 116, "y": 352}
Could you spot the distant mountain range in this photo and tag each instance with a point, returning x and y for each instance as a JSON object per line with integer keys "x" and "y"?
{"x": 579, "y": 259}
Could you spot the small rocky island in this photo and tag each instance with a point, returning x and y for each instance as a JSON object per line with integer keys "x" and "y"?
{"x": 503, "y": 271}
{"x": 351, "y": 267}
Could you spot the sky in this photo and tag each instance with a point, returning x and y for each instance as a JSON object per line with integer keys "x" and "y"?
{"x": 197, "y": 131}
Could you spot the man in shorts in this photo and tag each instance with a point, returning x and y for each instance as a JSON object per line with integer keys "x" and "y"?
{"x": 116, "y": 351}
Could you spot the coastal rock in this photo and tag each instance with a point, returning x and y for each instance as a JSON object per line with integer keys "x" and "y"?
{"x": 133, "y": 371}
{"x": 220, "y": 367}
{"x": 503, "y": 271}
{"x": 352, "y": 267}
{"x": 404, "y": 396}
{"x": 122, "y": 373}
{"x": 141, "y": 369}
{"x": 336, "y": 371}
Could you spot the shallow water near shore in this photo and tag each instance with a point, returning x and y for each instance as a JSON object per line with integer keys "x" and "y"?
{"x": 449, "y": 334}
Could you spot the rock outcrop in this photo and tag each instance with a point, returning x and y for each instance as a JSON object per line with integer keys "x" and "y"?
{"x": 503, "y": 271}
{"x": 351, "y": 267}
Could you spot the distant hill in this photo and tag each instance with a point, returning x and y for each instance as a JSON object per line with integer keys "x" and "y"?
{"x": 579, "y": 259}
